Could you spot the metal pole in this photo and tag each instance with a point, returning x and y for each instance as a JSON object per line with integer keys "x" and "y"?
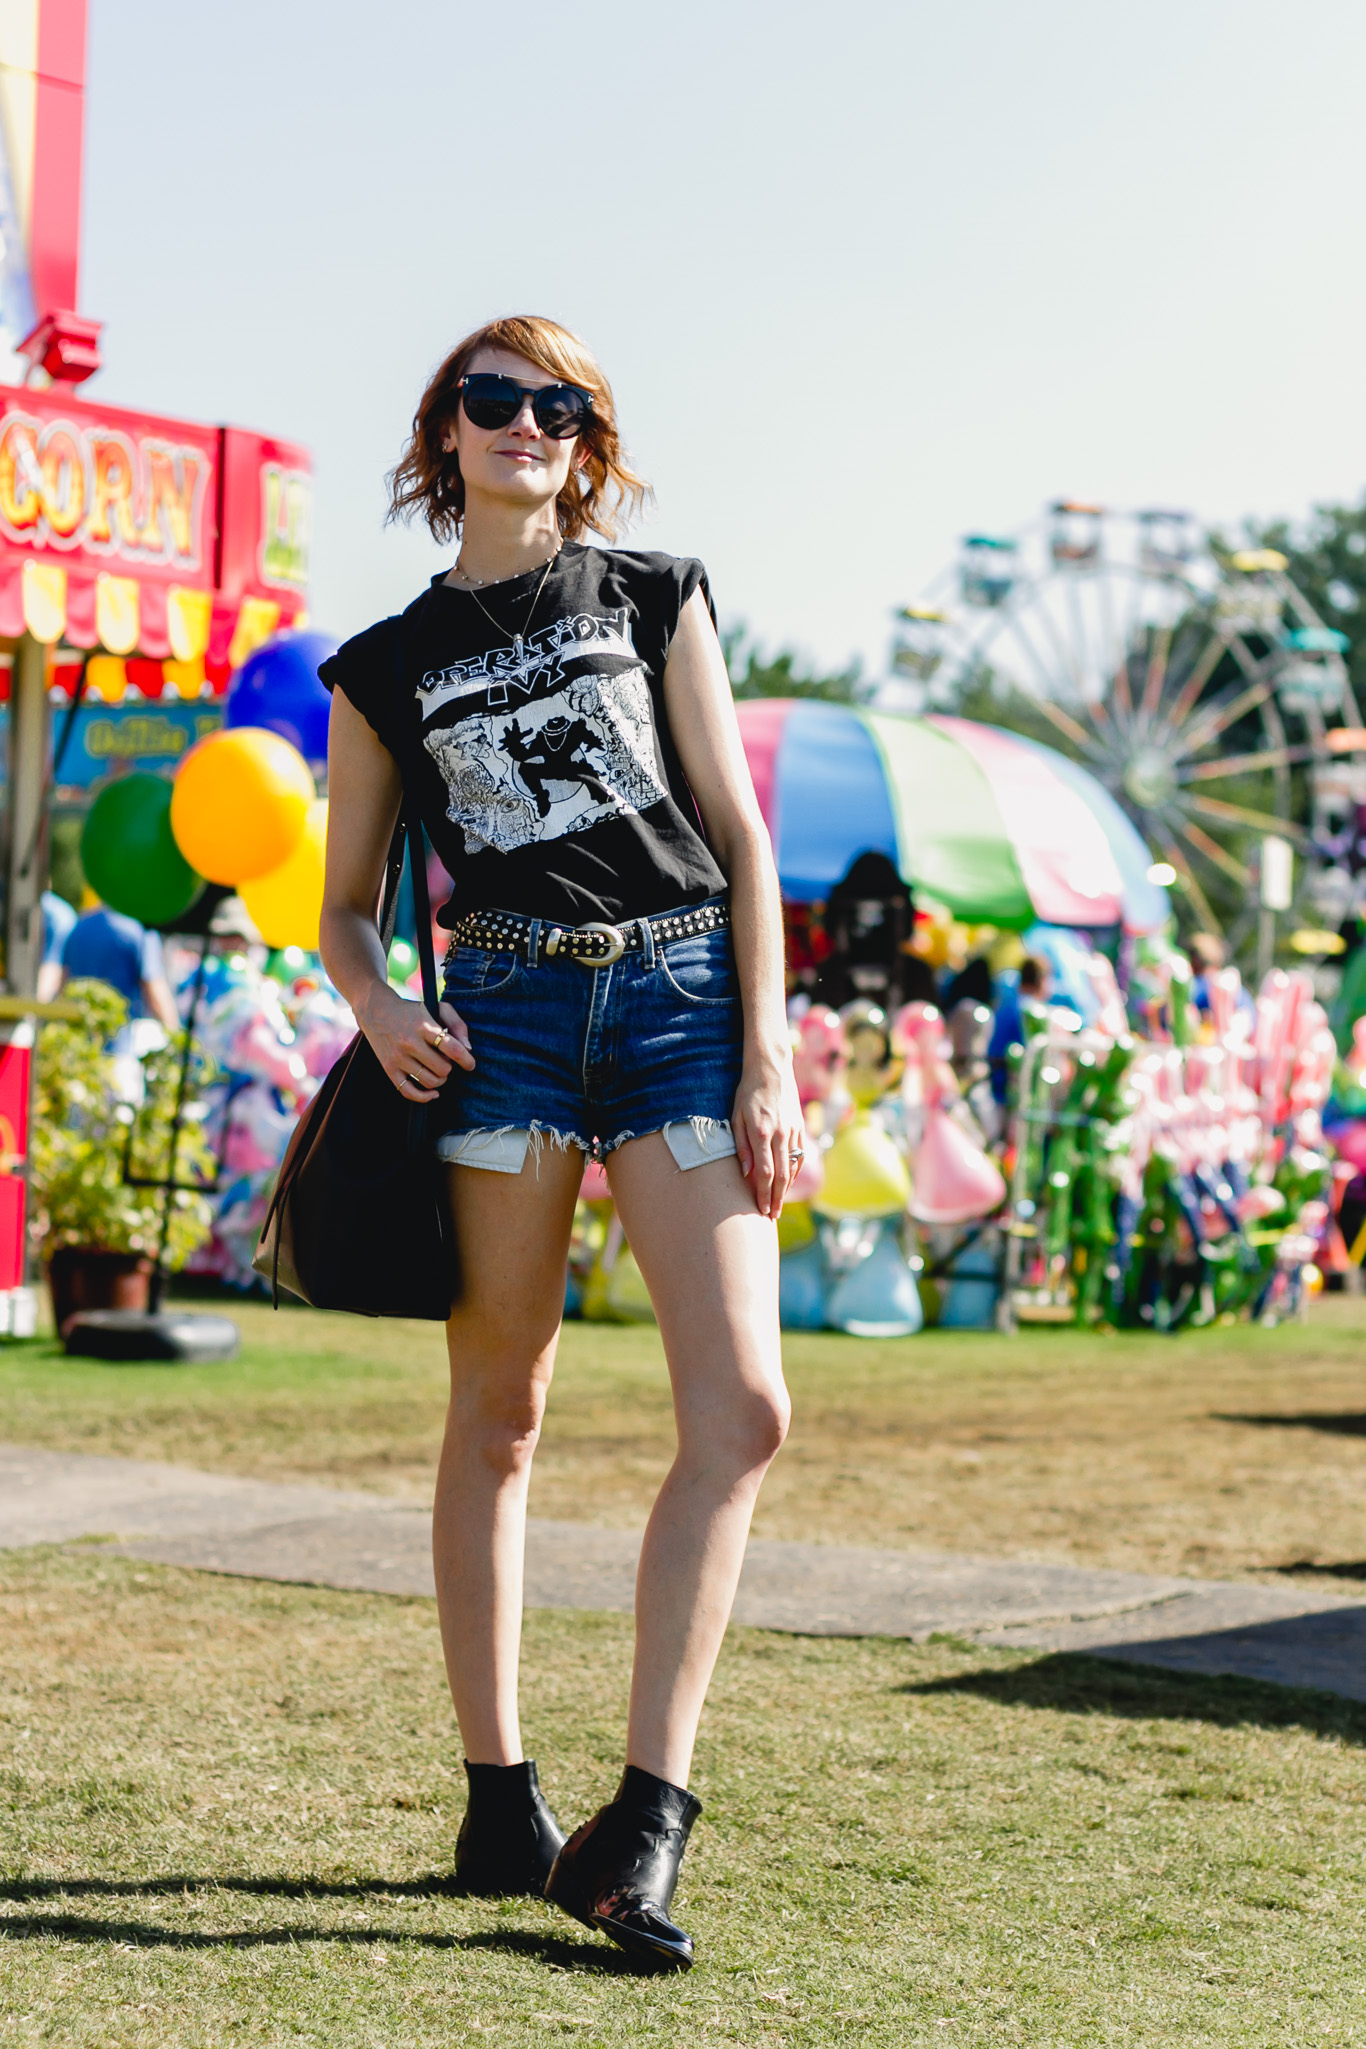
{"x": 1276, "y": 893}
{"x": 26, "y": 854}
{"x": 26, "y": 858}
{"x": 157, "y": 1284}
{"x": 1266, "y": 943}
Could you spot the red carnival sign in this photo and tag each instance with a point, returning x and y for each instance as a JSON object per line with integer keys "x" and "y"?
{"x": 146, "y": 535}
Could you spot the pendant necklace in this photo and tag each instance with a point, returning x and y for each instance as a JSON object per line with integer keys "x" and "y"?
{"x": 517, "y": 639}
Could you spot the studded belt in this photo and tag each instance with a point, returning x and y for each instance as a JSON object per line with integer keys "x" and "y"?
{"x": 593, "y": 945}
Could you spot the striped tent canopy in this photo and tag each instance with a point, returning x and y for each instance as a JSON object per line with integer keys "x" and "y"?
{"x": 1000, "y": 829}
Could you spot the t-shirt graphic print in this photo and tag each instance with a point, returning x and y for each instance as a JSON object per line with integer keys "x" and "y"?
{"x": 541, "y": 739}
{"x": 534, "y": 720}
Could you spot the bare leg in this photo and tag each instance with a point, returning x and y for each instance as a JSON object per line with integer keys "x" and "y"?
{"x": 711, "y": 1264}
{"x": 513, "y": 1231}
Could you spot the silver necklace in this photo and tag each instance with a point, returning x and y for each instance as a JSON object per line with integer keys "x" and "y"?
{"x": 484, "y": 583}
{"x": 517, "y": 638}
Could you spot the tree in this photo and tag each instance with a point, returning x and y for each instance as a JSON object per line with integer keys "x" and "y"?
{"x": 982, "y": 693}
{"x": 1327, "y": 558}
{"x": 752, "y": 674}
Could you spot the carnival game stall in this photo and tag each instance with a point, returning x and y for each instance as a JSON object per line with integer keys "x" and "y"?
{"x": 1126, "y": 1157}
{"x": 143, "y": 560}
{"x": 242, "y": 811}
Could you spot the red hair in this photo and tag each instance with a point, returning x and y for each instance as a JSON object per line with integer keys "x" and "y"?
{"x": 602, "y": 492}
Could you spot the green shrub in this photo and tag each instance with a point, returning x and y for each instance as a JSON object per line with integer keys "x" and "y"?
{"x": 80, "y": 1129}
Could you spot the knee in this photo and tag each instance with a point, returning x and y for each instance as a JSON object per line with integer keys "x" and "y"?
{"x": 755, "y": 1428}
{"x": 504, "y": 1426}
{"x": 496, "y": 1415}
{"x": 771, "y": 1425}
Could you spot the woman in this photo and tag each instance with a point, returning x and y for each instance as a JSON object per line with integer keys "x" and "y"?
{"x": 613, "y": 988}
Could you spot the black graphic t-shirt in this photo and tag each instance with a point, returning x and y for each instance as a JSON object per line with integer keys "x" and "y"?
{"x": 550, "y": 781}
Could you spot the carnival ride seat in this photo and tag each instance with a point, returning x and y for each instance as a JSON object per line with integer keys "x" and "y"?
{"x": 1074, "y": 539}
{"x": 987, "y": 569}
{"x": 1167, "y": 541}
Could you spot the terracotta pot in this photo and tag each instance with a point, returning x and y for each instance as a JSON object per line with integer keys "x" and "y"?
{"x": 88, "y": 1277}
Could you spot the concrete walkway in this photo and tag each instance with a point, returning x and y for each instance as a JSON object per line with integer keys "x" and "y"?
{"x": 1293, "y": 1635}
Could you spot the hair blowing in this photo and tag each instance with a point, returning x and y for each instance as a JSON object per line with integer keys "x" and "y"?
{"x": 602, "y": 492}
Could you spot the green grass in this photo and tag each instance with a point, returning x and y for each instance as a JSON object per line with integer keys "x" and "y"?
{"x": 1223, "y": 1452}
{"x": 227, "y": 1808}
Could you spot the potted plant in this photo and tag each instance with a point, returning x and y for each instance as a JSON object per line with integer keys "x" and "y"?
{"x": 100, "y": 1236}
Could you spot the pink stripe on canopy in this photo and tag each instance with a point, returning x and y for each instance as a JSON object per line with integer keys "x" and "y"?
{"x": 1065, "y": 859}
{"x": 761, "y": 728}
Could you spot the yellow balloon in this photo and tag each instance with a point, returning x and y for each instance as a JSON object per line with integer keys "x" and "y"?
{"x": 796, "y": 1226}
{"x": 865, "y": 1174}
{"x": 286, "y": 904}
{"x": 238, "y": 803}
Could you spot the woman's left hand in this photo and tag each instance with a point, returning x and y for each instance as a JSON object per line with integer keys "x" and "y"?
{"x": 769, "y": 1130}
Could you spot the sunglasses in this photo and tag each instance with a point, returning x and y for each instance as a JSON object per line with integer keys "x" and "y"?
{"x": 559, "y": 410}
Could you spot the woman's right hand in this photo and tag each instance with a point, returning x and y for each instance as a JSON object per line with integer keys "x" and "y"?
{"x": 415, "y": 1049}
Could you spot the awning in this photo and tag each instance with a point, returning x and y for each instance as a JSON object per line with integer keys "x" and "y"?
{"x": 147, "y": 539}
{"x": 124, "y": 615}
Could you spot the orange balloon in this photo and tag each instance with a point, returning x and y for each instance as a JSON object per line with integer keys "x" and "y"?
{"x": 239, "y": 803}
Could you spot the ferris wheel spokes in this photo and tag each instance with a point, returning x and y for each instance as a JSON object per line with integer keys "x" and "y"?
{"x": 1176, "y": 671}
{"x": 1236, "y": 870}
{"x": 1222, "y": 812}
{"x": 1201, "y": 904}
{"x": 1223, "y": 713}
{"x": 1246, "y": 764}
{"x": 1155, "y": 681}
{"x": 1190, "y": 690}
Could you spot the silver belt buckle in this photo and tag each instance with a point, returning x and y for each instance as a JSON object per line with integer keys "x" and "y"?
{"x": 615, "y": 949}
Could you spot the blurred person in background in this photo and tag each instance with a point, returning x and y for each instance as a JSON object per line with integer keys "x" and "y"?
{"x": 58, "y": 922}
{"x": 1207, "y": 954}
{"x": 1032, "y": 985}
{"x": 105, "y": 946}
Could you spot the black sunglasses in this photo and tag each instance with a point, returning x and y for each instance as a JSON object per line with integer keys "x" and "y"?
{"x": 559, "y": 410}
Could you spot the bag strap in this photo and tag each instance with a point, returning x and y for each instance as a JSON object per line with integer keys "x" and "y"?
{"x": 409, "y": 836}
{"x": 393, "y": 876}
{"x": 410, "y": 826}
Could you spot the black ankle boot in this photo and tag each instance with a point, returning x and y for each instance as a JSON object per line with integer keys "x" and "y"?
{"x": 618, "y": 1871}
{"x": 509, "y": 1838}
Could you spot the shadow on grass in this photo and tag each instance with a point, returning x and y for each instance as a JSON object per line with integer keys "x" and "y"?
{"x": 432, "y": 1886}
{"x": 1354, "y": 1568}
{"x": 1344, "y": 1425}
{"x": 1094, "y": 1686}
{"x": 562, "y": 1952}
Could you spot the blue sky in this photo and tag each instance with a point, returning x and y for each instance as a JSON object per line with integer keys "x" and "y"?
{"x": 863, "y": 277}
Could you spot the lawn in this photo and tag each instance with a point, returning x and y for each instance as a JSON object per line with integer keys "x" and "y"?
{"x": 228, "y": 1806}
{"x": 1224, "y": 1452}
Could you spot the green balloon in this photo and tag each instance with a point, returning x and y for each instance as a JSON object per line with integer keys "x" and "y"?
{"x": 287, "y": 963}
{"x": 129, "y": 853}
{"x": 402, "y": 960}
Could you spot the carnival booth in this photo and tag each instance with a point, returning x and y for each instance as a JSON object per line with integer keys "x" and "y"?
{"x": 899, "y": 840}
{"x": 143, "y": 560}
{"x": 996, "y": 828}
{"x": 1099, "y": 1150}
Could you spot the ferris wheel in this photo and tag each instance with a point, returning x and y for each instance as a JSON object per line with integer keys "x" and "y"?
{"x": 1201, "y": 687}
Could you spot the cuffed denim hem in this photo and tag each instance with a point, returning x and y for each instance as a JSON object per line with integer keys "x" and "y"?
{"x": 693, "y": 1141}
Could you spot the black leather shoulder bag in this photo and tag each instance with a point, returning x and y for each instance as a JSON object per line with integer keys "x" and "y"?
{"x": 360, "y": 1216}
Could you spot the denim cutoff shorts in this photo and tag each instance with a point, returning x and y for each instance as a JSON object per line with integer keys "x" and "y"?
{"x": 591, "y": 1057}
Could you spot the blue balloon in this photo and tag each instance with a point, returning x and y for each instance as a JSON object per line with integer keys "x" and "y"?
{"x": 278, "y": 688}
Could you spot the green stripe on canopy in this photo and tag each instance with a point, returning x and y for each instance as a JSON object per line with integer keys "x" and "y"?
{"x": 951, "y": 835}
